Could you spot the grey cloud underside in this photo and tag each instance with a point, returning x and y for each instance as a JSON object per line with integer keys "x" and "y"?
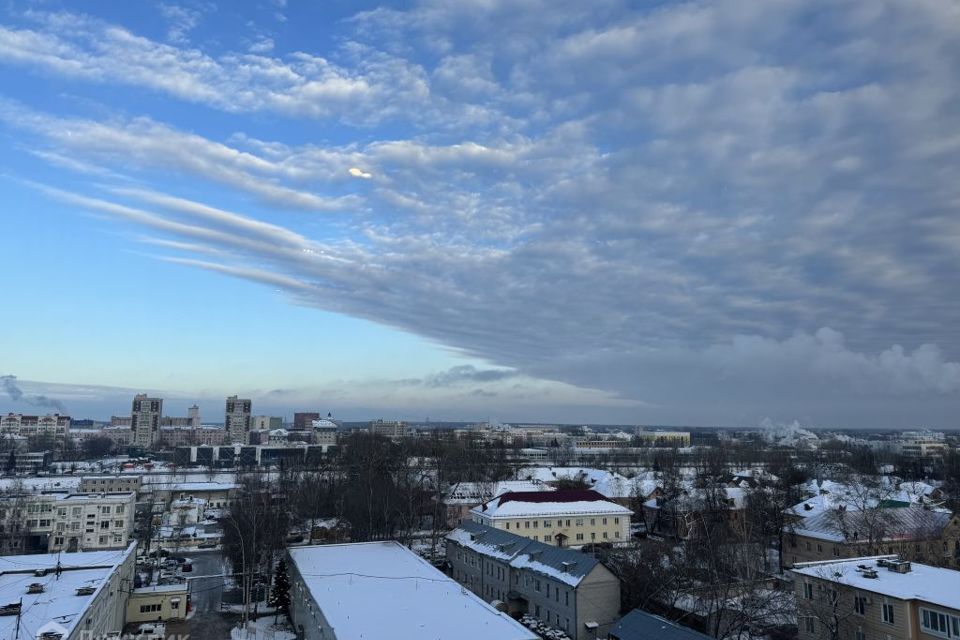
{"x": 670, "y": 205}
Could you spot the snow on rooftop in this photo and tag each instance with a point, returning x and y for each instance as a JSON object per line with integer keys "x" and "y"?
{"x": 541, "y": 503}
{"x": 58, "y": 602}
{"x": 410, "y": 598}
{"x": 923, "y": 582}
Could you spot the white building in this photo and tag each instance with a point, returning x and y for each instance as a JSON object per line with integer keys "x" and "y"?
{"x": 325, "y": 433}
{"x": 71, "y": 596}
{"x": 384, "y": 590}
{"x": 53, "y": 425}
{"x": 237, "y": 420}
{"x": 61, "y": 521}
{"x": 389, "y": 428}
{"x": 145, "y": 418}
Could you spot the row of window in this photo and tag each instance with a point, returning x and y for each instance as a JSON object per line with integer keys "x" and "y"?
{"x": 547, "y": 524}
{"x": 887, "y": 613}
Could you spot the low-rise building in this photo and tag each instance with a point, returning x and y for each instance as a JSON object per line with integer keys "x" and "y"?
{"x": 463, "y": 496}
{"x": 640, "y": 625}
{"x": 69, "y": 596}
{"x": 61, "y": 521}
{"x": 324, "y": 433}
{"x": 120, "y": 483}
{"x": 54, "y": 426}
{"x": 879, "y": 597}
{"x": 567, "y": 517}
{"x": 913, "y": 532}
{"x": 568, "y": 590}
{"x": 384, "y": 590}
{"x": 158, "y": 603}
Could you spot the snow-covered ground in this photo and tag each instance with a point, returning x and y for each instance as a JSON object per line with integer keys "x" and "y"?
{"x": 264, "y": 629}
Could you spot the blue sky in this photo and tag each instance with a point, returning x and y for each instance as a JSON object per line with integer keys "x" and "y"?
{"x": 674, "y": 212}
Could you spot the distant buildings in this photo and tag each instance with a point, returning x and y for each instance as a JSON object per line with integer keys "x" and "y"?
{"x": 145, "y": 418}
{"x": 663, "y": 438}
{"x": 65, "y": 596}
{"x": 568, "y": 590}
{"x": 876, "y": 597}
{"x": 923, "y": 444}
{"x": 237, "y": 420}
{"x": 389, "y": 428}
{"x": 384, "y": 590}
{"x": 324, "y": 433}
{"x": 54, "y": 427}
{"x": 266, "y": 423}
{"x": 572, "y": 517}
{"x": 303, "y": 420}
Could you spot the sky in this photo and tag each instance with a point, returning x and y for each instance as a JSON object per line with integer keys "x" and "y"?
{"x": 725, "y": 212}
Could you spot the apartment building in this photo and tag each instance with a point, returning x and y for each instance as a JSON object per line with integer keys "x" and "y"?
{"x": 571, "y": 517}
{"x": 65, "y": 596}
{"x": 121, "y": 483}
{"x": 61, "y": 521}
{"x": 913, "y": 532}
{"x": 663, "y": 438}
{"x": 877, "y": 597}
{"x": 384, "y": 590}
{"x": 389, "y": 428}
{"x": 567, "y": 590}
{"x": 923, "y": 444}
{"x": 145, "y": 415}
{"x": 265, "y": 423}
{"x": 190, "y": 436}
{"x": 53, "y": 426}
{"x": 237, "y": 420}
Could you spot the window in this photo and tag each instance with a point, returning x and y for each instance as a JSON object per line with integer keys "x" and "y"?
{"x": 860, "y": 605}
{"x": 548, "y": 589}
{"x": 810, "y": 624}
{"x": 105, "y": 524}
{"x": 536, "y": 586}
{"x": 547, "y": 524}
{"x": 579, "y": 536}
{"x": 819, "y": 548}
{"x": 808, "y": 546}
{"x": 526, "y": 525}
{"x": 579, "y": 522}
{"x": 808, "y": 591}
{"x": 886, "y": 613}
{"x": 174, "y": 603}
{"x": 861, "y": 635}
{"x": 566, "y": 597}
{"x": 939, "y": 624}
{"x": 593, "y": 522}
{"x": 536, "y": 523}
{"x": 508, "y": 526}
{"x": 604, "y": 521}
{"x": 616, "y": 521}
{"x": 560, "y": 524}
{"x": 147, "y": 608}
{"x": 616, "y": 534}
{"x": 836, "y": 552}
{"x": 604, "y": 535}
{"x": 593, "y": 535}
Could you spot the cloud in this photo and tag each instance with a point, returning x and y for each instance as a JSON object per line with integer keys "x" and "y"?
{"x": 359, "y": 173}
{"x": 726, "y": 210}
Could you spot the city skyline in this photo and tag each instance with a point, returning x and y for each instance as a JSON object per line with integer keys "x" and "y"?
{"x": 685, "y": 213}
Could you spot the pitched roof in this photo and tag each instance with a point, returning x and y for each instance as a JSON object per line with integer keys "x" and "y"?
{"x": 564, "y": 564}
{"x": 640, "y": 625}
{"x": 519, "y": 504}
{"x": 907, "y": 523}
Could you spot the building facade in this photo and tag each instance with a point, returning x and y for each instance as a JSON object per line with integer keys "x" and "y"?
{"x": 145, "y": 416}
{"x": 236, "y": 421}
{"x": 876, "y": 597}
{"x": 59, "y": 521}
{"x": 568, "y": 590}
{"x": 573, "y": 517}
{"x": 389, "y": 428}
{"x": 52, "y": 426}
{"x": 122, "y": 483}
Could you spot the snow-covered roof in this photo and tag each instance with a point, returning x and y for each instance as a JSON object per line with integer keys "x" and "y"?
{"x": 477, "y": 492}
{"x": 58, "y": 602}
{"x": 923, "y": 582}
{"x": 193, "y": 486}
{"x": 384, "y": 590}
{"x": 905, "y": 523}
{"x": 640, "y": 625}
{"x": 563, "y": 564}
{"x": 542, "y": 503}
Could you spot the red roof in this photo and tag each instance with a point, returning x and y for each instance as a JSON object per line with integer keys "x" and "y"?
{"x": 562, "y": 495}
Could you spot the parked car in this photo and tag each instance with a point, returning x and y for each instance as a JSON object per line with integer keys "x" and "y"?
{"x": 207, "y": 545}
{"x": 187, "y": 567}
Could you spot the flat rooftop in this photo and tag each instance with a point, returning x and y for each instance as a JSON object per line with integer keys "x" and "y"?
{"x": 59, "y": 601}
{"x": 384, "y": 590}
{"x": 922, "y": 582}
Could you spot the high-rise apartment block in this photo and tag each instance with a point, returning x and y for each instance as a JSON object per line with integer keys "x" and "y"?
{"x": 145, "y": 420}
{"x": 237, "y": 420}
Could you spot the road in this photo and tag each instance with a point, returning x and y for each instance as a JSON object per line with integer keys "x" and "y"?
{"x": 207, "y": 592}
